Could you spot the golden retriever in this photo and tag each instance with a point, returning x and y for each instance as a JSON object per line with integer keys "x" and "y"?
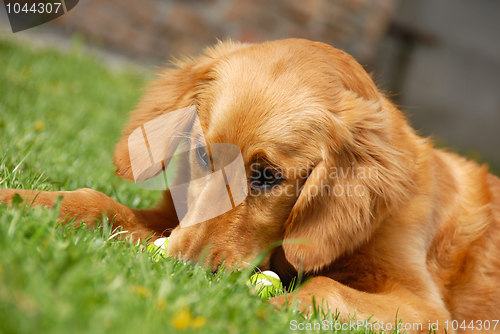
{"x": 383, "y": 223}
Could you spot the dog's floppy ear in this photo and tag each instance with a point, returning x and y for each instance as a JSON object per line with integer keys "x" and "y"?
{"x": 344, "y": 199}
{"x": 332, "y": 215}
{"x": 174, "y": 89}
{"x": 360, "y": 179}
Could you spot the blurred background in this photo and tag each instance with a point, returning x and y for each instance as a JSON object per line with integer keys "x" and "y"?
{"x": 438, "y": 59}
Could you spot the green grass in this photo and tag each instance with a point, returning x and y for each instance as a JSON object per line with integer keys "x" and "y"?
{"x": 60, "y": 117}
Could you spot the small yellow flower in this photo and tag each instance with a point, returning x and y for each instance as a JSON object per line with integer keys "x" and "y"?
{"x": 261, "y": 313}
{"x": 142, "y": 291}
{"x": 184, "y": 319}
{"x": 160, "y": 304}
{"x": 198, "y": 322}
{"x": 181, "y": 319}
{"x": 39, "y": 126}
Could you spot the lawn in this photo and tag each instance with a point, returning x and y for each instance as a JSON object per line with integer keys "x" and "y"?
{"x": 60, "y": 117}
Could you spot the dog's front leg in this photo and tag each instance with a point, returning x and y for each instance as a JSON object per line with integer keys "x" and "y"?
{"x": 89, "y": 205}
{"x": 417, "y": 315}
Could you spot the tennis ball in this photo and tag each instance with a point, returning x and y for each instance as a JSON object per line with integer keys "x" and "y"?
{"x": 162, "y": 243}
{"x": 158, "y": 249}
{"x": 267, "y": 284}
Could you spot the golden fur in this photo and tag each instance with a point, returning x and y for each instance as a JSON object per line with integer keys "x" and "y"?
{"x": 421, "y": 241}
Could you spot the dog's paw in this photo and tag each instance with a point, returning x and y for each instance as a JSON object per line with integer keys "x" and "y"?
{"x": 6, "y": 196}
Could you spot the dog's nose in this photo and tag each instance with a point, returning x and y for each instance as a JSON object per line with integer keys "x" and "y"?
{"x": 214, "y": 267}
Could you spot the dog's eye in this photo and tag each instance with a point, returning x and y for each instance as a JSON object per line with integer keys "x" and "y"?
{"x": 202, "y": 156}
{"x": 265, "y": 178}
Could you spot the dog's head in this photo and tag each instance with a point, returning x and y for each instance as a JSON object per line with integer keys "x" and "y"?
{"x": 326, "y": 156}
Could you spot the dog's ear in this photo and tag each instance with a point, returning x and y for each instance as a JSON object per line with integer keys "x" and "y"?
{"x": 332, "y": 215}
{"x": 369, "y": 173}
{"x": 174, "y": 89}
{"x": 343, "y": 200}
